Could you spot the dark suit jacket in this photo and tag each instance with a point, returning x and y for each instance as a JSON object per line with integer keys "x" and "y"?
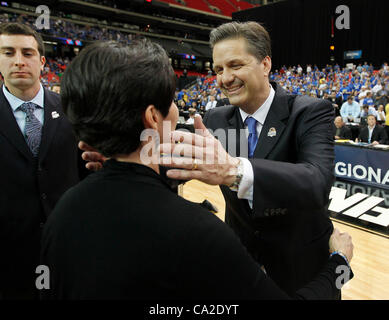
{"x": 222, "y": 102}
{"x": 123, "y": 234}
{"x": 29, "y": 189}
{"x": 379, "y": 134}
{"x": 289, "y": 227}
{"x": 338, "y": 105}
{"x": 345, "y": 133}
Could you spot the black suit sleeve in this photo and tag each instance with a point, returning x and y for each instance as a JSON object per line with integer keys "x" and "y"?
{"x": 361, "y": 135}
{"x": 382, "y": 136}
{"x": 306, "y": 182}
{"x": 220, "y": 261}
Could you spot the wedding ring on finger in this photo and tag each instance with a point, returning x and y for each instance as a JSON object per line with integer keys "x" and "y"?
{"x": 194, "y": 164}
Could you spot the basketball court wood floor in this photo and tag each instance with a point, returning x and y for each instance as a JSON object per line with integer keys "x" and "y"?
{"x": 370, "y": 263}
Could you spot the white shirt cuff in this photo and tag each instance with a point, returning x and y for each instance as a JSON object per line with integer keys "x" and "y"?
{"x": 246, "y": 186}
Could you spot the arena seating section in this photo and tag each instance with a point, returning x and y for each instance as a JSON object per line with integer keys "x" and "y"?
{"x": 226, "y": 7}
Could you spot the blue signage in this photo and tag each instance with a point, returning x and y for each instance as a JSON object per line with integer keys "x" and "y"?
{"x": 362, "y": 165}
{"x": 352, "y": 55}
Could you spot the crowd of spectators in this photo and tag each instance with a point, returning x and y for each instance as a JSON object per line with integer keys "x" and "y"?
{"x": 66, "y": 29}
{"x": 53, "y": 71}
{"x": 55, "y": 67}
{"x": 83, "y": 30}
{"x": 200, "y": 97}
{"x": 355, "y": 92}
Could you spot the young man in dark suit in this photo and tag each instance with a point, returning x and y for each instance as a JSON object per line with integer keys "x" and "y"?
{"x": 38, "y": 159}
{"x": 373, "y": 133}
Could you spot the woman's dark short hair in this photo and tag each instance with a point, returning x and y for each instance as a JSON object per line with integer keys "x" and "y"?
{"x": 107, "y": 88}
{"x": 14, "y": 28}
{"x": 257, "y": 38}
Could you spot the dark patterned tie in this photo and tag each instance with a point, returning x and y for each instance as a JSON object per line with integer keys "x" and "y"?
{"x": 253, "y": 138}
{"x": 33, "y": 128}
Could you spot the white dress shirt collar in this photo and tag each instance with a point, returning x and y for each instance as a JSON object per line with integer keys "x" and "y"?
{"x": 15, "y": 102}
{"x": 261, "y": 113}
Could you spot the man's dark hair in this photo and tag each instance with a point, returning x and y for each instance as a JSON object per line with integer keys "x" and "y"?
{"x": 13, "y": 28}
{"x": 257, "y": 38}
{"x": 107, "y": 88}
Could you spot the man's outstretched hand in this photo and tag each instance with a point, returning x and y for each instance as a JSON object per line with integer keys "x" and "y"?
{"x": 94, "y": 159}
{"x": 198, "y": 156}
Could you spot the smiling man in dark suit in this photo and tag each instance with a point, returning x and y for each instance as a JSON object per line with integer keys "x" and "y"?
{"x": 277, "y": 194}
{"x": 109, "y": 221}
{"x": 38, "y": 159}
{"x": 277, "y": 180}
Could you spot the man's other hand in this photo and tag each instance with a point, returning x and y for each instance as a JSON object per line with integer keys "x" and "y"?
{"x": 342, "y": 242}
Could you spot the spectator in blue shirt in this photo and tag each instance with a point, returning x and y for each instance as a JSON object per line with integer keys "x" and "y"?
{"x": 180, "y": 95}
{"x": 357, "y": 85}
{"x": 368, "y": 110}
{"x": 346, "y": 90}
{"x": 368, "y": 100}
{"x": 350, "y": 110}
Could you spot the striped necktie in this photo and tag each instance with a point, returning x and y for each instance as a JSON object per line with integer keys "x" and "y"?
{"x": 33, "y": 128}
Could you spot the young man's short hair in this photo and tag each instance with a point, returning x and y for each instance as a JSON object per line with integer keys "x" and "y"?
{"x": 13, "y": 28}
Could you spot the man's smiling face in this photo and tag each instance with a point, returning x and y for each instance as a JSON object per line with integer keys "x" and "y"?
{"x": 240, "y": 76}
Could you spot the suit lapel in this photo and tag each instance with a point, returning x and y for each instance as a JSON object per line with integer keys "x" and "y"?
{"x": 375, "y": 136}
{"x": 270, "y": 134}
{"x": 273, "y": 126}
{"x": 50, "y": 124}
{"x": 10, "y": 129}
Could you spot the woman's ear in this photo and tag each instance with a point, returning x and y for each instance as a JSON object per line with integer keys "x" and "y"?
{"x": 151, "y": 117}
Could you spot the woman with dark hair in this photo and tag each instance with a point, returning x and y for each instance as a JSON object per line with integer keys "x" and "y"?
{"x": 122, "y": 233}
